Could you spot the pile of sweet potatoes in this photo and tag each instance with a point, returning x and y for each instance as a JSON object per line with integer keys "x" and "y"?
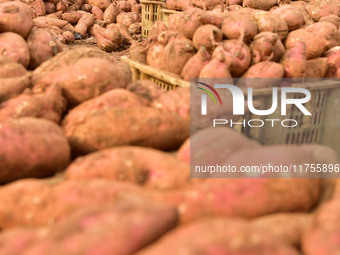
{"x": 256, "y": 40}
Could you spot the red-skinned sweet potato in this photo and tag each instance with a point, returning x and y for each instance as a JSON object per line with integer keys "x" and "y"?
{"x": 333, "y": 56}
{"x": 97, "y": 12}
{"x": 207, "y": 36}
{"x": 102, "y": 4}
{"x": 14, "y": 13}
{"x": 295, "y": 62}
{"x": 31, "y": 148}
{"x": 259, "y": 4}
{"x": 11, "y": 87}
{"x": 179, "y": 5}
{"x": 292, "y": 15}
{"x": 322, "y": 8}
{"x": 110, "y": 13}
{"x": 195, "y": 64}
{"x": 154, "y": 55}
{"x": 146, "y": 90}
{"x": 13, "y": 46}
{"x": 84, "y": 23}
{"x": 108, "y": 39}
{"x": 189, "y": 22}
{"x": 263, "y": 46}
{"x": 10, "y": 68}
{"x": 270, "y": 22}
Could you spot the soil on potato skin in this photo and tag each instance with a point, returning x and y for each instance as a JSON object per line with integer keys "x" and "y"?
{"x": 92, "y": 43}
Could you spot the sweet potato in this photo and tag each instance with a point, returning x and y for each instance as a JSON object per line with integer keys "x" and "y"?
{"x": 73, "y": 17}
{"x": 214, "y": 17}
{"x": 135, "y": 29}
{"x": 50, "y": 8}
{"x": 213, "y": 146}
{"x": 13, "y": 46}
{"x": 259, "y": 4}
{"x": 68, "y": 36}
{"x": 10, "y": 68}
{"x": 219, "y": 236}
{"x": 157, "y": 28}
{"x": 295, "y": 62}
{"x": 124, "y": 6}
{"x": 262, "y": 70}
{"x": 195, "y": 64}
{"x": 279, "y": 51}
{"x": 126, "y": 19}
{"x": 322, "y": 8}
{"x": 108, "y": 39}
{"x": 42, "y": 46}
{"x": 93, "y": 230}
{"x": 189, "y": 22}
{"x": 31, "y": 148}
{"x": 138, "y": 53}
{"x": 183, "y": 152}
{"x": 37, "y": 7}
{"x": 155, "y": 55}
{"x": 43, "y": 22}
{"x": 62, "y": 6}
{"x": 263, "y": 46}
{"x": 322, "y": 236}
{"x": 292, "y": 15}
{"x": 207, "y": 36}
{"x": 14, "y": 13}
{"x": 270, "y": 22}
{"x": 317, "y": 68}
{"x": 111, "y": 99}
{"x": 318, "y": 37}
{"x": 165, "y": 37}
{"x": 49, "y": 105}
{"x": 110, "y": 13}
{"x": 147, "y": 167}
{"x": 176, "y": 101}
{"x": 11, "y": 87}
{"x": 206, "y": 4}
{"x": 84, "y": 23}
{"x": 101, "y": 4}
{"x": 215, "y": 69}
{"x": 239, "y": 54}
{"x": 67, "y": 58}
{"x": 86, "y": 8}
{"x": 98, "y": 13}
{"x": 85, "y": 79}
{"x": 179, "y": 5}
{"x": 237, "y": 25}
{"x": 333, "y": 56}
{"x": 147, "y": 127}
{"x": 146, "y": 89}
{"x": 181, "y": 50}
{"x": 335, "y": 20}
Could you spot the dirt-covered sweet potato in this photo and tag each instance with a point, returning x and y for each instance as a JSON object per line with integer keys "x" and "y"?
{"x": 322, "y": 236}
{"x": 292, "y": 15}
{"x": 238, "y": 53}
{"x": 179, "y": 5}
{"x": 84, "y": 23}
{"x": 176, "y": 54}
{"x": 317, "y": 68}
{"x": 214, "y": 17}
{"x": 73, "y": 16}
{"x": 318, "y": 37}
{"x": 126, "y": 19}
{"x": 42, "y": 46}
{"x": 137, "y": 52}
{"x": 259, "y": 4}
{"x": 110, "y": 13}
{"x": 87, "y": 78}
{"x": 48, "y": 105}
{"x": 11, "y": 87}
{"x": 219, "y": 236}
{"x": 216, "y": 68}
{"x": 98, "y": 13}
{"x": 108, "y": 39}
{"x": 102, "y": 4}
{"x": 111, "y": 99}
{"x": 31, "y": 148}
{"x": 50, "y": 8}
{"x": 322, "y": 8}
{"x": 295, "y": 62}
{"x": 263, "y": 46}
{"x": 270, "y": 22}
{"x": 147, "y": 167}
{"x": 206, "y": 4}
{"x": 146, "y": 90}
{"x": 189, "y": 22}
{"x": 176, "y": 101}
{"x": 239, "y": 25}
{"x": 157, "y": 28}
{"x": 335, "y": 20}
{"x": 43, "y": 22}
{"x": 208, "y": 36}
{"x": 10, "y": 68}
{"x": 154, "y": 55}
{"x": 14, "y": 47}
{"x": 68, "y": 36}
{"x": 37, "y": 7}
{"x": 333, "y": 56}
{"x": 14, "y": 13}
{"x": 67, "y": 58}
{"x": 266, "y": 69}
{"x": 195, "y": 64}
{"x": 124, "y": 6}
{"x": 148, "y": 127}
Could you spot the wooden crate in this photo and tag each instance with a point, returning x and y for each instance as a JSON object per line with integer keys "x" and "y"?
{"x": 320, "y": 128}
{"x": 150, "y": 14}
{"x": 163, "y": 79}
